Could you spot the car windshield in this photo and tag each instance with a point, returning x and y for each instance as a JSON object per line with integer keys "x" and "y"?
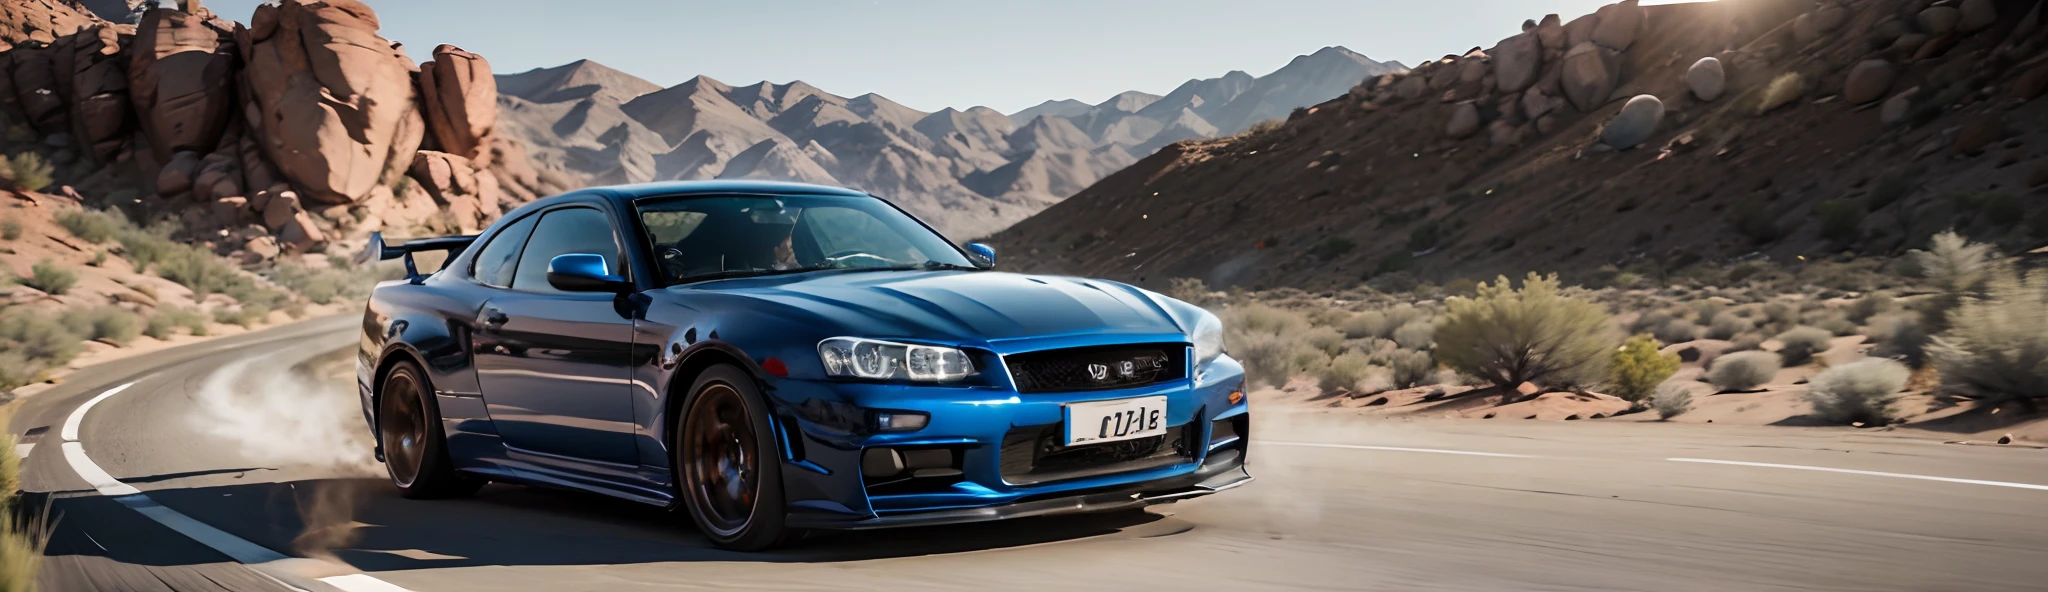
{"x": 702, "y": 238}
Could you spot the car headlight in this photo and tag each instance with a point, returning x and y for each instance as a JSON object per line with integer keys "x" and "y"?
{"x": 853, "y": 357}
{"x": 1208, "y": 338}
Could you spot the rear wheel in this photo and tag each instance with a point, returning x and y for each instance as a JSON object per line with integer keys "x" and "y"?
{"x": 728, "y": 463}
{"x": 415, "y": 449}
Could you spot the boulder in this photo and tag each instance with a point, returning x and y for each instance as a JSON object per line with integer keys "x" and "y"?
{"x": 1940, "y": 20}
{"x": 101, "y": 112}
{"x": 1501, "y": 134}
{"x": 1586, "y": 78}
{"x": 1536, "y": 103}
{"x": 280, "y": 210}
{"x": 460, "y": 100}
{"x": 33, "y": 75}
{"x": 262, "y": 248}
{"x": 452, "y": 181}
{"x": 219, "y": 176}
{"x": 1868, "y": 81}
{"x": 1580, "y": 30}
{"x": 1805, "y": 29}
{"x": 1411, "y": 87}
{"x": 1634, "y": 125}
{"x": 1830, "y": 17}
{"x": 1517, "y": 62}
{"x": 1907, "y": 45}
{"x": 336, "y": 100}
{"x": 1551, "y": 32}
{"x": 177, "y": 174}
{"x": 1619, "y": 26}
{"x": 1707, "y": 79}
{"x": 1977, "y": 15}
{"x": 181, "y": 78}
{"x": 1464, "y": 121}
{"x": 2032, "y": 84}
{"x": 1898, "y": 107}
{"x": 301, "y": 233}
{"x": 1472, "y": 68}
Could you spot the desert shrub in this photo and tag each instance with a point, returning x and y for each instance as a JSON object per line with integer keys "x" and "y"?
{"x": 1705, "y": 312}
{"x": 1677, "y": 331}
{"x": 1344, "y": 372}
{"x": 1189, "y": 290}
{"x": 1870, "y": 305}
{"x": 1780, "y": 316}
{"x": 10, "y": 228}
{"x": 1650, "y": 322}
{"x": 1957, "y": 268}
{"x": 1410, "y": 368}
{"x": 1838, "y": 325}
{"x": 47, "y": 276}
{"x": 1746, "y": 342}
{"x": 1728, "y": 326}
{"x": 1333, "y": 248}
{"x": 249, "y": 313}
{"x": 1324, "y": 339}
{"x": 28, "y": 172}
{"x": 1671, "y": 400}
{"x": 1997, "y": 345}
{"x": 1638, "y": 367}
{"x": 1371, "y": 323}
{"x": 93, "y": 226}
{"x": 1534, "y": 334}
{"x": 1425, "y": 236}
{"x": 43, "y": 340}
{"x": 16, "y": 369}
{"x": 1743, "y": 371}
{"x": 111, "y": 323}
{"x": 1418, "y": 334}
{"x": 1461, "y": 287}
{"x": 1860, "y": 391}
{"x": 200, "y": 270}
{"x": 1801, "y": 343}
{"x": 1254, "y": 317}
{"x": 1263, "y": 128}
{"x": 24, "y": 532}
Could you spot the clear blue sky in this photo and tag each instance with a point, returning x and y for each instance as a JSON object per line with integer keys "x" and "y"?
{"x": 931, "y": 54}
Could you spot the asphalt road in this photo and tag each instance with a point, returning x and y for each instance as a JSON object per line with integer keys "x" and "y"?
{"x": 208, "y": 433}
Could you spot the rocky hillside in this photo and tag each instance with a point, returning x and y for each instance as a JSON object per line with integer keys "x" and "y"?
{"x": 1646, "y": 137}
{"x": 970, "y": 171}
{"x": 286, "y": 135}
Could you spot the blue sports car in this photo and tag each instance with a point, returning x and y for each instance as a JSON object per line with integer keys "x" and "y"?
{"x": 774, "y": 358}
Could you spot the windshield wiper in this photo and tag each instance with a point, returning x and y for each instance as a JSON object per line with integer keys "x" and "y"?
{"x": 744, "y": 273}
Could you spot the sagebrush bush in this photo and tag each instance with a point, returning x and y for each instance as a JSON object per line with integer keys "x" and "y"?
{"x": 1860, "y": 391}
{"x": 10, "y": 228}
{"x": 1996, "y": 346}
{"x": 1344, "y": 373}
{"x": 1870, "y": 305}
{"x": 94, "y": 226}
{"x": 109, "y": 323}
{"x": 28, "y": 172}
{"x": 1639, "y": 367}
{"x": 1410, "y": 368}
{"x": 1534, "y": 334}
{"x": 1956, "y": 268}
{"x": 1418, "y": 334}
{"x": 1729, "y": 326}
{"x": 1677, "y": 331}
{"x": 1802, "y": 343}
{"x": 1743, "y": 371}
{"x": 16, "y": 370}
{"x": 242, "y": 316}
{"x": 49, "y": 277}
{"x": 1671, "y": 400}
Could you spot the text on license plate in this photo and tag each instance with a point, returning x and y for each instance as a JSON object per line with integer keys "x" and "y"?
{"x": 1111, "y": 421}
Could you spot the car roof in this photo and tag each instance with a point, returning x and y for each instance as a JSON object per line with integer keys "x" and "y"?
{"x": 625, "y": 194}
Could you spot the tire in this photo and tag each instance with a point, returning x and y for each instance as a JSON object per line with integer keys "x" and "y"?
{"x": 728, "y": 465}
{"x": 409, "y": 432}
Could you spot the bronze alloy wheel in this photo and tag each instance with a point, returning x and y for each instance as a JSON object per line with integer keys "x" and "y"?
{"x": 403, "y": 427}
{"x": 724, "y": 460}
{"x": 727, "y": 462}
{"x": 409, "y": 431}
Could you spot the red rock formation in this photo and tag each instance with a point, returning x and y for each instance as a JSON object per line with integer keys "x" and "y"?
{"x": 180, "y": 72}
{"x": 335, "y": 102}
{"x": 460, "y": 99}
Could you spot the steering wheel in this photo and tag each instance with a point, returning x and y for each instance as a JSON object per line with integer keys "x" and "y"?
{"x": 672, "y": 261}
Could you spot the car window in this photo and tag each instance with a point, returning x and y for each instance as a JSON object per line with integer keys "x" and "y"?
{"x": 728, "y": 236}
{"x": 561, "y": 232}
{"x": 495, "y": 263}
{"x": 846, "y": 230}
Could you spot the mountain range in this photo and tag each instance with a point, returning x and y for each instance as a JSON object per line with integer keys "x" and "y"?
{"x": 969, "y": 172}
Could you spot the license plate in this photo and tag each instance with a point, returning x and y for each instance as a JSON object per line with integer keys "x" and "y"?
{"x": 1113, "y": 421}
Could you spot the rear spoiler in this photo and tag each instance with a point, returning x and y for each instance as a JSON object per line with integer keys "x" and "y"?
{"x": 379, "y": 250}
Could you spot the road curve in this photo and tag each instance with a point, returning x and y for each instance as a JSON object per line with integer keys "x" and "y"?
{"x": 206, "y": 432}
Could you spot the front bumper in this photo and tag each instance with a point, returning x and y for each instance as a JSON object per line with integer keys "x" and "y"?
{"x": 1004, "y": 465}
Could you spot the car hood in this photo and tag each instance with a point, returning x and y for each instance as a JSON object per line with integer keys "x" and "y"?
{"x": 962, "y": 306}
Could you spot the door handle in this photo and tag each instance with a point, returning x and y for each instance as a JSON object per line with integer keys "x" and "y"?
{"x": 494, "y": 318}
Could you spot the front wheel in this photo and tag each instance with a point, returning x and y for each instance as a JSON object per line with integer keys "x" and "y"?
{"x": 415, "y": 448}
{"x": 728, "y": 464}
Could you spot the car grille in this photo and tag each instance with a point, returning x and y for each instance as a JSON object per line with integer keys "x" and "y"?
{"x": 1033, "y": 454}
{"x": 1097, "y": 368}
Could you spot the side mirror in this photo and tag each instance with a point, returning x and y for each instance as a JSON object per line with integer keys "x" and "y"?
{"x": 983, "y": 254}
{"x": 583, "y": 272}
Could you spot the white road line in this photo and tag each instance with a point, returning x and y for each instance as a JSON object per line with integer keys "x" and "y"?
{"x": 1394, "y": 449}
{"x": 238, "y": 548}
{"x": 1857, "y": 472}
{"x": 71, "y": 423}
